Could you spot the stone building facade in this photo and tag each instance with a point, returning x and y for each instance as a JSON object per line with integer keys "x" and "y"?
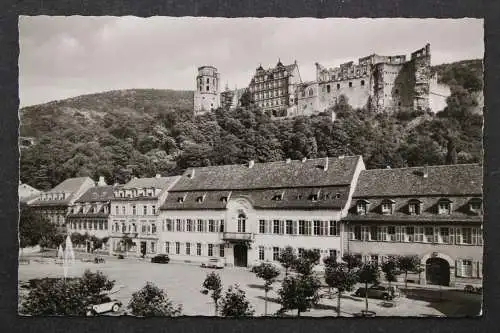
{"x": 246, "y": 214}
{"x": 207, "y": 93}
{"x": 432, "y": 212}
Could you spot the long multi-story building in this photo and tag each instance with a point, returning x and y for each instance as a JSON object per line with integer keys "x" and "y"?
{"x": 134, "y": 212}
{"x": 432, "y": 212}
{"x": 90, "y": 213}
{"x": 250, "y": 213}
{"x": 54, "y": 204}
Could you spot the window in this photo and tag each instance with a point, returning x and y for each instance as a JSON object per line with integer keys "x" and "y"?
{"x": 276, "y": 227}
{"x": 289, "y": 227}
{"x": 207, "y": 88}
{"x": 444, "y": 207}
{"x": 373, "y": 233}
{"x": 178, "y": 225}
{"x": 221, "y": 250}
{"x": 123, "y": 210}
{"x": 167, "y": 247}
{"x": 143, "y": 228}
{"x": 145, "y": 210}
{"x": 414, "y": 208}
{"x": 465, "y": 268}
{"x": 317, "y": 230}
{"x": 221, "y": 226}
{"x": 310, "y": 92}
{"x": 180, "y": 199}
{"x": 386, "y": 207}
{"x": 223, "y": 199}
{"x": 332, "y": 253}
{"x": 356, "y": 234}
{"x": 391, "y": 232}
{"x": 302, "y": 227}
{"x": 169, "y": 225}
{"x": 334, "y": 229}
{"x": 211, "y": 226}
{"x": 409, "y": 234}
{"x": 261, "y": 253}
{"x": 200, "y": 226}
{"x": 262, "y": 226}
{"x": 124, "y": 228}
{"x": 362, "y": 82}
{"x": 152, "y": 247}
{"x": 134, "y": 210}
{"x": 313, "y": 197}
{"x": 429, "y": 234}
{"x": 276, "y": 253}
{"x": 350, "y": 84}
{"x": 198, "y": 249}
{"x": 467, "y": 236}
{"x": 361, "y": 207}
{"x": 210, "y": 250}
{"x": 153, "y": 228}
{"x": 477, "y": 236}
{"x": 241, "y": 222}
{"x": 153, "y": 210}
{"x": 117, "y": 212}
{"x": 328, "y": 88}
{"x": 188, "y": 248}
{"x": 475, "y": 205}
{"x": 177, "y": 248}
{"x": 338, "y": 86}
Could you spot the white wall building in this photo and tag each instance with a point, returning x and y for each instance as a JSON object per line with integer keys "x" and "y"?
{"x": 249, "y": 213}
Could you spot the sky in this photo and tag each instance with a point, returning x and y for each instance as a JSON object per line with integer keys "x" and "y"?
{"x": 62, "y": 57}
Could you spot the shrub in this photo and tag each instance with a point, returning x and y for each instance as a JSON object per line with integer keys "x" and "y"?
{"x": 152, "y": 301}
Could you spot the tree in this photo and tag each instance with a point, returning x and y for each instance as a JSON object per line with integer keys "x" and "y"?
{"x": 390, "y": 269}
{"x": 299, "y": 293}
{"x": 339, "y": 276}
{"x": 151, "y": 301}
{"x": 352, "y": 261}
{"x": 127, "y": 243}
{"x": 235, "y": 304}
{"x": 66, "y": 297}
{"x": 330, "y": 261}
{"x": 34, "y": 229}
{"x": 268, "y": 273}
{"x": 368, "y": 274}
{"x": 408, "y": 263}
{"x": 213, "y": 283}
{"x": 305, "y": 264}
{"x": 287, "y": 258}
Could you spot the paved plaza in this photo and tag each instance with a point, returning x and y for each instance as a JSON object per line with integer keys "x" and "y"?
{"x": 183, "y": 283}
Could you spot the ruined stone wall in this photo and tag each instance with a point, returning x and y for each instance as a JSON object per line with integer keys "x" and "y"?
{"x": 422, "y": 66}
{"x": 357, "y": 91}
{"x": 307, "y": 99}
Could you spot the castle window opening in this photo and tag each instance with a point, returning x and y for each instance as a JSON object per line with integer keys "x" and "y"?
{"x": 338, "y": 86}
{"x": 328, "y": 88}
{"x": 350, "y": 84}
{"x": 362, "y": 82}
{"x": 207, "y": 88}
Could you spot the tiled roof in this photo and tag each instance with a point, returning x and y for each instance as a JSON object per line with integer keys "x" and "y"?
{"x": 429, "y": 211}
{"x": 70, "y": 185}
{"x": 97, "y": 193}
{"x": 294, "y": 198}
{"x": 446, "y": 180}
{"x": 156, "y": 182}
{"x": 293, "y": 174}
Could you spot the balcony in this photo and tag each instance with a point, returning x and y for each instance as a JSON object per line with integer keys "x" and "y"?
{"x": 238, "y": 236}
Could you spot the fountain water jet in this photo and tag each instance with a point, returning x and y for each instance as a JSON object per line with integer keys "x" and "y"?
{"x": 69, "y": 256}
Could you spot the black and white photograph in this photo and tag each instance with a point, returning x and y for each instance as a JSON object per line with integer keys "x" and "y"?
{"x": 250, "y": 167}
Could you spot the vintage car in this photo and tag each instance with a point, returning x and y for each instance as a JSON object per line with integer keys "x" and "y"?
{"x": 109, "y": 305}
{"x": 213, "y": 263}
{"x": 375, "y": 291}
{"x": 160, "y": 259}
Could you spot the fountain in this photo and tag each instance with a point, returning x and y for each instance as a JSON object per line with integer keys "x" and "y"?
{"x": 68, "y": 255}
{"x": 60, "y": 254}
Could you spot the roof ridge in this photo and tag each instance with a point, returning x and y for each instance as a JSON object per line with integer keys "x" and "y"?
{"x": 424, "y": 166}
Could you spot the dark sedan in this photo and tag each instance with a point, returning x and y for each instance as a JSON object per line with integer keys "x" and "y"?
{"x": 160, "y": 259}
{"x": 375, "y": 292}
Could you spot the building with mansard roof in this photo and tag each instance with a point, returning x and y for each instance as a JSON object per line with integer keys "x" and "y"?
{"x": 245, "y": 214}
{"x": 434, "y": 212}
{"x": 134, "y": 213}
{"x": 54, "y": 204}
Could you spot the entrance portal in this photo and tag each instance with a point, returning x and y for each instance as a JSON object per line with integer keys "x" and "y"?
{"x": 437, "y": 271}
{"x": 240, "y": 255}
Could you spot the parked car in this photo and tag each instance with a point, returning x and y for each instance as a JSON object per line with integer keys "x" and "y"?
{"x": 213, "y": 263}
{"x": 109, "y": 305}
{"x": 473, "y": 290}
{"x": 375, "y": 292}
{"x": 160, "y": 259}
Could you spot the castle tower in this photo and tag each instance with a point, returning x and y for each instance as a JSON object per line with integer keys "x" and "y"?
{"x": 207, "y": 94}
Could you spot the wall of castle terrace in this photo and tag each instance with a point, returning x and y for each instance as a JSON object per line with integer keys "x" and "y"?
{"x": 357, "y": 91}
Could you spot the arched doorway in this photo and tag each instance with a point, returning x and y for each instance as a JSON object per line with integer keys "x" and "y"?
{"x": 240, "y": 255}
{"x": 437, "y": 271}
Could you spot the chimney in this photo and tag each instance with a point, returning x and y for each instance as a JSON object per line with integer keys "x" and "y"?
{"x": 101, "y": 181}
{"x": 158, "y": 175}
{"x": 251, "y": 164}
{"x": 326, "y": 164}
{"x": 288, "y": 160}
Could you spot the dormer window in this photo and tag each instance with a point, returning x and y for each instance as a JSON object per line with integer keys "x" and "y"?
{"x": 278, "y": 197}
{"x": 362, "y": 207}
{"x": 223, "y": 199}
{"x": 199, "y": 199}
{"x": 180, "y": 199}
{"x": 475, "y": 205}
{"x": 313, "y": 197}
{"x": 414, "y": 207}
{"x": 444, "y": 207}
{"x": 387, "y": 207}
